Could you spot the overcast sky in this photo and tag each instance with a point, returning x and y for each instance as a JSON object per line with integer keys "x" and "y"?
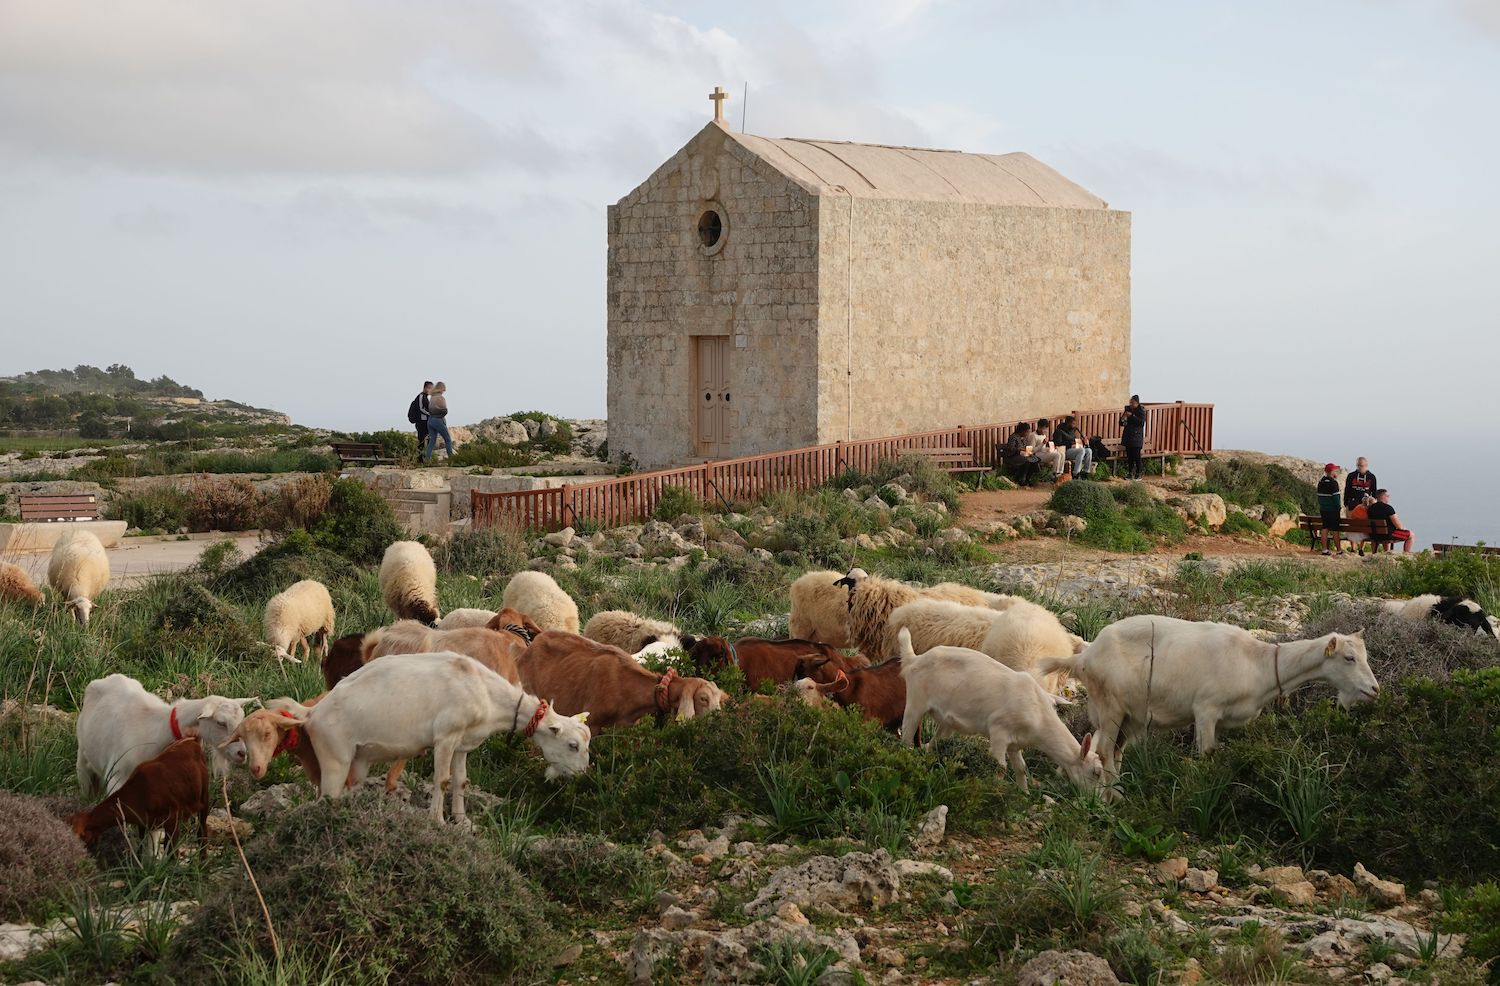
{"x": 313, "y": 204}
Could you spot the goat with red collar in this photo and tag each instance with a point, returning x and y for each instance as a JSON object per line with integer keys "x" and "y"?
{"x": 121, "y": 726}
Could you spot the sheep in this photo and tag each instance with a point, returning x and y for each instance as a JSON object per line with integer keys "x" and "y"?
{"x": 538, "y": 595}
{"x": 631, "y": 633}
{"x": 1016, "y": 637}
{"x": 1174, "y": 673}
{"x": 851, "y": 610}
{"x": 1446, "y": 609}
{"x": 408, "y": 582}
{"x": 16, "y": 585}
{"x": 302, "y": 610}
{"x": 968, "y": 693}
{"x": 161, "y": 792}
{"x": 459, "y": 619}
{"x": 121, "y": 726}
{"x": 78, "y": 571}
{"x": 404, "y": 704}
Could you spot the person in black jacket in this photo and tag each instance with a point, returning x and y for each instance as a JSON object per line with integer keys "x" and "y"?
{"x": 1071, "y": 442}
{"x": 1359, "y": 484}
{"x": 1133, "y": 421}
{"x": 1020, "y": 454}
{"x": 418, "y": 412}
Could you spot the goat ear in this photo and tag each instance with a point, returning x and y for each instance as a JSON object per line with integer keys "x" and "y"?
{"x": 1333, "y": 645}
{"x": 685, "y": 707}
{"x": 1360, "y": 633}
{"x": 582, "y": 717}
{"x": 688, "y": 640}
{"x": 1083, "y": 748}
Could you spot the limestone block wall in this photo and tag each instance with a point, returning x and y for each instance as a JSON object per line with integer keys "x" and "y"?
{"x": 967, "y": 314}
{"x": 759, "y": 289}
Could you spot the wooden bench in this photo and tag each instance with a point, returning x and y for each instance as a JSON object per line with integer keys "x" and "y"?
{"x": 361, "y": 453}
{"x": 957, "y": 459}
{"x": 1487, "y": 551}
{"x": 47, "y": 508}
{"x": 1376, "y": 532}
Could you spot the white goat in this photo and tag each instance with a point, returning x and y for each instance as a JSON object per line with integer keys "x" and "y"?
{"x": 402, "y": 705}
{"x": 969, "y": 693}
{"x": 121, "y": 726}
{"x": 1157, "y": 670}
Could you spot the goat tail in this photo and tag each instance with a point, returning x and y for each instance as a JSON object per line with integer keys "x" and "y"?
{"x": 1051, "y": 665}
{"x": 903, "y": 645}
{"x": 291, "y": 707}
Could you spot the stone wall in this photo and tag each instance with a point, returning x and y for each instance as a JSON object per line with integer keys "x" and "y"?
{"x": 664, "y": 288}
{"x": 968, "y": 314}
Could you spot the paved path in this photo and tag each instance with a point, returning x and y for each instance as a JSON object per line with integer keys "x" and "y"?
{"x": 137, "y": 559}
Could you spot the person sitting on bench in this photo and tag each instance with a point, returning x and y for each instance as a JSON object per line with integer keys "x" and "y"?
{"x": 1047, "y": 452}
{"x": 1381, "y": 509}
{"x": 1020, "y": 454}
{"x": 1080, "y": 455}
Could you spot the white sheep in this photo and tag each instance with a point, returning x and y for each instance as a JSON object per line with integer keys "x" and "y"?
{"x": 1454, "y": 610}
{"x": 408, "y": 582}
{"x": 851, "y": 610}
{"x": 1146, "y": 670}
{"x": 1017, "y": 636}
{"x": 631, "y": 633}
{"x": 16, "y": 586}
{"x": 121, "y": 726}
{"x": 78, "y": 571}
{"x": 304, "y": 609}
{"x": 969, "y": 694}
{"x": 538, "y": 595}
{"x": 463, "y": 619}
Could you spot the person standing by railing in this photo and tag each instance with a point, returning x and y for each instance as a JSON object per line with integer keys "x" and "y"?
{"x": 1133, "y": 437}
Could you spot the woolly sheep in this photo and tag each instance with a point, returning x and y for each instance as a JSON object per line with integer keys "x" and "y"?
{"x": 821, "y": 607}
{"x": 631, "y": 633}
{"x": 408, "y": 582}
{"x": 539, "y": 596}
{"x": 78, "y": 571}
{"x": 16, "y": 586}
{"x": 462, "y": 619}
{"x": 304, "y": 610}
{"x": 1017, "y": 637}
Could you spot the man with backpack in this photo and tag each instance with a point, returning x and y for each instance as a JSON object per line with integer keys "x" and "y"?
{"x": 418, "y": 411}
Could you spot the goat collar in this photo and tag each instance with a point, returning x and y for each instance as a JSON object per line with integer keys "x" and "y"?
{"x": 521, "y": 632}
{"x": 536, "y": 718}
{"x": 289, "y": 739}
{"x": 172, "y": 721}
{"x": 734, "y": 654}
{"x": 663, "y": 699}
{"x": 840, "y": 681}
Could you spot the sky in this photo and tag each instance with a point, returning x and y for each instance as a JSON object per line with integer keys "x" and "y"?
{"x": 313, "y": 205}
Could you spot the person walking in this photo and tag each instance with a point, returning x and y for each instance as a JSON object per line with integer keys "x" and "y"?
{"x": 1330, "y": 500}
{"x": 1381, "y": 509}
{"x": 437, "y": 421}
{"x": 1133, "y": 438}
{"x": 1359, "y": 484}
{"x": 1048, "y": 454}
{"x": 1074, "y": 450}
{"x": 417, "y": 413}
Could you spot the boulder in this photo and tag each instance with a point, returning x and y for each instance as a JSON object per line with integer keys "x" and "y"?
{"x": 1206, "y": 508}
{"x": 1075, "y": 968}
{"x": 532, "y": 426}
{"x": 1275, "y": 876}
{"x": 932, "y": 828}
{"x": 1384, "y": 892}
{"x": 659, "y": 539}
{"x": 1281, "y": 524}
{"x": 506, "y": 431}
{"x": 1169, "y": 870}
{"x": 559, "y": 539}
{"x": 831, "y": 883}
{"x": 1300, "y": 894}
{"x": 1200, "y": 881}
{"x": 546, "y": 428}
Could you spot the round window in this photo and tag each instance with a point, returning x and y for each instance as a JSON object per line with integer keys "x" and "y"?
{"x": 713, "y": 229}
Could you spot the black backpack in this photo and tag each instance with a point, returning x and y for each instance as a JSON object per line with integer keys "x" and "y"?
{"x": 414, "y": 413}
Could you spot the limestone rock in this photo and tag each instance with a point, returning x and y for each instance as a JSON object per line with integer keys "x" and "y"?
{"x": 272, "y": 801}
{"x": 658, "y": 539}
{"x": 1302, "y": 893}
{"x": 20, "y": 940}
{"x": 1281, "y": 524}
{"x": 726, "y": 957}
{"x": 567, "y": 956}
{"x": 1075, "y": 968}
{"x": 675, "y": 918}
{"x": 220, "y": 825}
{"x": 932, "y": 828}
{"x": 915, "y": 867}
{"x": 559, "y": 539}
{"x": 546, "y": 428}
{"x": 1275, "y": 876}
{"x": 1385, "y": 892}
{"x": 1200, "y": 881}
{"x": 830, "y": 882}
{"x": 503, "y": 430}
{"x": 1172, "y": 869}
{"x": 1205, "y": 507}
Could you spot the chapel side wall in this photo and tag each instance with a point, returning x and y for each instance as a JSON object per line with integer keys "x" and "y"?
{"x": 759, "y": 290}
{"x": 967, "y": 314}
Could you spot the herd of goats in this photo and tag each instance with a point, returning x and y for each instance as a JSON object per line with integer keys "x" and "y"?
{"x": 974, "y": 662}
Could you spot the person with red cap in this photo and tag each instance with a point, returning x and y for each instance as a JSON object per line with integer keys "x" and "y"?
{"x": 1330, "y": 502}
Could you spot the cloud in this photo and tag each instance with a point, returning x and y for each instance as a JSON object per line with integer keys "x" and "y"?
{"x": 1482, "y": 14}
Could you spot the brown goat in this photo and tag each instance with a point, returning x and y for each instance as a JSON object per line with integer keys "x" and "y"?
{"x": 495, "y": 649}
{"x": 577, "y": 674}
{"x": 161, "y": 792}
{"x": 346, "y": 656}
{"x": 769, "y": 660}
{"x": 880, "y": 692}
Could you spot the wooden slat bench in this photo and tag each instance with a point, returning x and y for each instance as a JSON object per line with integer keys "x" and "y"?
{"x": 1486, "y": 550}
{"x": 957, "y": 459}
{"x": 1377, "y": 532}
{"x": 360, "y": 453}
{"x": 46, "y": 508}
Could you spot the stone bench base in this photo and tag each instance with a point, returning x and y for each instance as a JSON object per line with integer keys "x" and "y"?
{"x": 19, "y": 538}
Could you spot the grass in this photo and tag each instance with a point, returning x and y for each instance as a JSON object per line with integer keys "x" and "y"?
{"x": 49, "y": 443}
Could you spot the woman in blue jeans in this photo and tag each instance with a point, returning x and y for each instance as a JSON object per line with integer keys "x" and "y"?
{"x": 437, "y": 422}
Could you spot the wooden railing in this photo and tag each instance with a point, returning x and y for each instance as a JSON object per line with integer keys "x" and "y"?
{"x": 1171, "y": 429}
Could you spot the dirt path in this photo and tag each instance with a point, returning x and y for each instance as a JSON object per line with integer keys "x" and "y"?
{"x": 137, "y": 559}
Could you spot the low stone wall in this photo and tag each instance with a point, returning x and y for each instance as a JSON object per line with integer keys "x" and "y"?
{"x": 21, "y": 538}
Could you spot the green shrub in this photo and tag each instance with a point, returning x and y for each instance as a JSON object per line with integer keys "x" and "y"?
{"x": 914, "y": 472}
{"x": 43, "y": 861}
{"x": 1131, "y": 494}
{"x": 190, "y": 618}
{"x": 486, "y": 552}
{"x": 1249, "y": 483}
{"x": 483, "y": 452}
{"x": 1238, "y": 523}
{"x": 290, "y": 558}
{"x": 161, "y": 509}
{"x": 1083, "y": 498}
{"x": 674, "y": 501}
{"x": 358, "y": 523}
{"x": 394, "y": 444}
{"x": 590, "y": 872}
{"x": 1477, "y": 914}
{"x": 365, "y": 876}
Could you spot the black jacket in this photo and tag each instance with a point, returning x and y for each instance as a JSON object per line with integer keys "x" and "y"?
{"x": 1014, "y": 446}
{"x": 1355, "y": 490}
{"x": 1064, "y": 437}
{"x": 1133, "y": 419}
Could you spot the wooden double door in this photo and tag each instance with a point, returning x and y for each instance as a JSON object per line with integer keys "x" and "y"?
{"x": 713, "y": 398}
